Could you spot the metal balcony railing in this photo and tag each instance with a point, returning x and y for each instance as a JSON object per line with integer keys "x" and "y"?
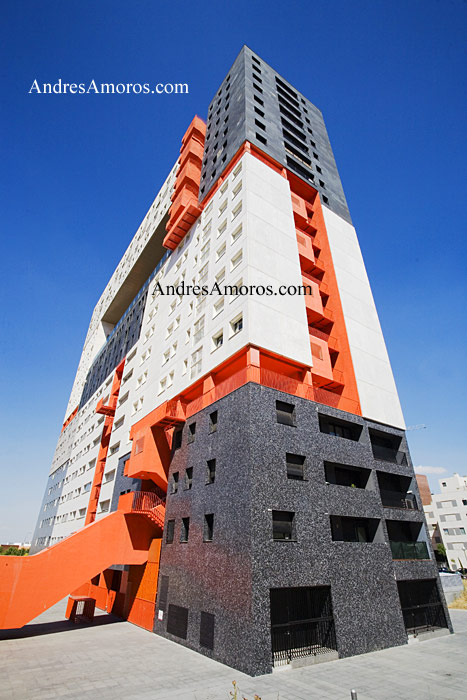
{"x": 409, "y": 550}
{"x": 397, "y": 499}
{"x": 421, "y": 618}
{"x": 387, "y": 454}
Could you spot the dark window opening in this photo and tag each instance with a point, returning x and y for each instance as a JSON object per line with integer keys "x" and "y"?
{"x": 302, "y": 623}
{"x": 385, "y": 447}
{"x": 396, "y": 491}
{"x": 259, "y": 112}
{"x": 256, "y": 60}
{"x": 256, "y": 77}
{"x": 286, "y": 105}
{"x": 261, "y": 139}
{"x": 191, "y": 432}
{"x": 213, "y": 422}
{"x": 339, "y": 428}
{"x": 284, "y": 86}
{"x": 260, "y": 124}
{"x": 189, "y": 478}
{"x": 346, "y": 475}
{"x": 169, "y": 533}
{"x": 258, "y": 100}
{"x": 325, "y": 199}
{"x": 297, "y": 153}
{"x": 294, "y": 141}
{"x": 355, "y": 529}
{"x": 295, "y": 467}
{"x": 285, "y": 413}
{"x": 257, "y": 87}
{"x": 299, "y": 169}
{"x": 174, "y": 483}
{"x": 177, "y": 439}
{"x": 211, "y": 471}
{"x": 283, "y": 525}
{"x": 163, "y": 593}
{"x": 406, "y": 540}
{"x": 208, "y": 527}
{"x": 421, "y": 605}
{"x": 293, "y": 129}
{"x": 206, "y": 630}
{"x": 185, "y": 530}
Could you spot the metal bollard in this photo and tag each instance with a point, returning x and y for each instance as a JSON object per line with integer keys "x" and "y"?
{"x": 353, "y": 695}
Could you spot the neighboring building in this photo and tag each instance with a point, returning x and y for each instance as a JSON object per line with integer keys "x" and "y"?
{"x": 446, "y": 517}
{"x": 292, "y": 524}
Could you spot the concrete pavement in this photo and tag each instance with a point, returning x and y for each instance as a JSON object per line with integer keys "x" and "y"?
{"x": 50, "y": 658}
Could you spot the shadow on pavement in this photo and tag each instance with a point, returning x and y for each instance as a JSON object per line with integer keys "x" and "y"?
{"x": 40, "y": 628}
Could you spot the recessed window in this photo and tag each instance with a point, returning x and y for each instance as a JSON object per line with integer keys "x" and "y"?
{"x": 339, "y": 428}
{"x": 175, "y": 477}
{"x": 213, "y": 422}
{"x": 316, "y": 351}
{"x": 218, "y": 340}
{"x": 191, "y": 432}
{"x": 260, "y": 124}
{"x": 218, "y": 307}
{"x": 295, "y": 466}
{"x": 236, "y": 260}
{"x": 258, "y": 100}
{"x": 208, "y": 527}
{"x": 285, "y": 413}
{"x": 169, "y": 532}
{"x": 257, "y": 88}
{"x": 237, "y": 233}
{"x": 236, "y": 211}
{"x": 236, "y": 325}
{"x": 189, "y": 478}
{"x": 185, "y": 530}
{"x": 220, "y": 252}
{"x": 177, "y": 439}
{"x": 283, "y": 525}
{"x": 211, "y": 471}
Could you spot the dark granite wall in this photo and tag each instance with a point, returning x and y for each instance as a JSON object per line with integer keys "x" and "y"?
{"x": 230, "y": 577}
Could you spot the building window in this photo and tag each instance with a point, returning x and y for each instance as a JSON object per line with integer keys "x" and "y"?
{"x": 338, "y": 428}
{"x": 285, "y": 413}
{"x": 282, "y": 525}
{"x": 191, "y": 432}
{"x": 208, "y": 527}
{"x": 218, "y": 340}
{"x": 295, "y": 467}
{"x": 236, "y": 325}
{"x": 213, "y": 422}
{"x": 185, "y": 530}
{"x": 177, "y": 621}
{"x": 169, "y": 536}
{"x": 174, "y": 483}
{"x": 189, "y": 478}
{"x": 206, "y": 630}
{"x": 211, "y": 471}
{"x": 177, "y": 439}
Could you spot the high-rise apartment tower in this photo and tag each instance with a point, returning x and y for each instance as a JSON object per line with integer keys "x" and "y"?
{"x": 233, "y": 471}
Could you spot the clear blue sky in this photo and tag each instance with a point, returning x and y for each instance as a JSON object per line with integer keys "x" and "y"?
{"x": 79, "y": 173}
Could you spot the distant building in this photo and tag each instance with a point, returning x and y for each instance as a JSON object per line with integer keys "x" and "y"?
{"x": 446, "y": 516}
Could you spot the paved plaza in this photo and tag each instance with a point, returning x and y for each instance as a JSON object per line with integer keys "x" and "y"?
{"x": 51, "y": 658}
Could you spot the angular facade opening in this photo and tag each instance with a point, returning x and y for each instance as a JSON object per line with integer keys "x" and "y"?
{"x": 421, "y": 605}
{"x": 302, "y": 623}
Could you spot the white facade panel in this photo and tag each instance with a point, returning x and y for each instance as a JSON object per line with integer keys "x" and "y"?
{"x": 375, "y": 382}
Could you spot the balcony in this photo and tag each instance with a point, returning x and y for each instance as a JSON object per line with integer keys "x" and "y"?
{"x": 398, "y": 499}
{"x": 388, "y": 454}
{"x": 409, "y": 550}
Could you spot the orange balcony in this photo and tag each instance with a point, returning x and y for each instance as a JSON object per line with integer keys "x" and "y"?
{"x": 321, "y": 369}
{"x": 305, "y": 251}
{"x": 106, "y": 410}
{"x": 313, "y": 302}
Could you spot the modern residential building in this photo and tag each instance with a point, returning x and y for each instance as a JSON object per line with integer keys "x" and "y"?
{"x": 446, "y": 515}
{"x": 233, "y": 471}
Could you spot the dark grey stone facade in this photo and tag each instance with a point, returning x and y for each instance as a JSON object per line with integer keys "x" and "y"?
{"x": 230, "y": 576}
{"x": 254, "y": 103}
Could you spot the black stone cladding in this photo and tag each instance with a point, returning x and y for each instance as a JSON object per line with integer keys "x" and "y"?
{"x": 230, "y": 577}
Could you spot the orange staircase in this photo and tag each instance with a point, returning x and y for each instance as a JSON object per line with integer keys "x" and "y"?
{"x": 30, "y": 585}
